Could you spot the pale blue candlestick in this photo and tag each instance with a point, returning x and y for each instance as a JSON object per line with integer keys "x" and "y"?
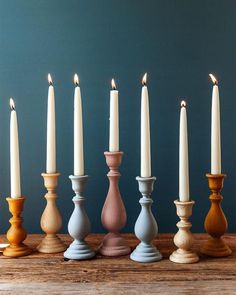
{"x": 146, "y": 227}
{"x": 79, "y": 224}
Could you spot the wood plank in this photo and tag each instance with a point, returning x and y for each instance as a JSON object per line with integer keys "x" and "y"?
{"x": 45, "y": 273}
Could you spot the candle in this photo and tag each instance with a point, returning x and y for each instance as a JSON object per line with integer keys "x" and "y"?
{"x": 51, "y": 130}
{"x": 183, "y": 155}
{"x": 145, "y": 131}
{"x": 14, "y": 153}
{"x": 215, "y": 129}
{"x": 114, "y": 119}
{"x": 78, "y": 131}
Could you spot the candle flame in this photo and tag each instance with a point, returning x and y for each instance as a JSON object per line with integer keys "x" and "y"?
{"x": 144, "y": 80}
{"x": 12, "y": 104}
{"x": 183, "y": 104}
{"x": 213, "y": 78}
{"x": 49, "y": 79}
{"x": 113, "y": 84}
{"x": 76, "y": 80}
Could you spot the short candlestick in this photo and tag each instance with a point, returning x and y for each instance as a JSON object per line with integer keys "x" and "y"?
{"x": 184, "y": 238}
{"x": 216, "y": 222}
{"x": 51, "y": 220}
{"x": 79, "y": 224}
{"x": 146, "y": 226}
{"x": 16, "y": 234}
{"x": 113, "y": 212}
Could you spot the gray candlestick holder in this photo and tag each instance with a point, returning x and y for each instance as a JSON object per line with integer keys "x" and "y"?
{"x": 79, "y": 224}
{"x": 146, "y": 227}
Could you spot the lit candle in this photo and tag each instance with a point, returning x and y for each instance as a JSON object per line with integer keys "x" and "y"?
{"x": 78, "y": 131}
{"x": 114, "y": 119}
{"x": 14, "y": 153}
{"x": 51, "y": 130}
{"x": 145, "y": 131}
{"x": 183, "y": 155}
{"x": 215, "y": 129}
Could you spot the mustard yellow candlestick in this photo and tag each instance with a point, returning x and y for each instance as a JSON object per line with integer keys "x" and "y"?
{"x": 51, "y": 220}
{"x": 16, "y": 234}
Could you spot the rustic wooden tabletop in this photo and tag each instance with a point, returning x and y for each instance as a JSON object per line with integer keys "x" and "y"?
{"x": 51, "y": 274}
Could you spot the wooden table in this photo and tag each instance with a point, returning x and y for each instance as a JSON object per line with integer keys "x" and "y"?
{"x": 51, "y": 274}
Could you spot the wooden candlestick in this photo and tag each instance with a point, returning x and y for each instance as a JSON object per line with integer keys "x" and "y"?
{"x": 79, "y": 224}
{"x": 113, "y": 212}
{"x": 184, "y": 238}
{"x": 216, "y": 222}
{"x": 51, "y": 220}
{"x": 16, "y": 234}
{"x": 146, "y": 226}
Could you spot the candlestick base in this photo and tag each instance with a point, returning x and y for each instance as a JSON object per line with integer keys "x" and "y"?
{"x": 51, "y": 220}
{"x": 113, "y": 212}
{"x": 216, "y": 222}
{"x": 184, "y": 238}
{"x": 79, "y": 224}
{"x": 16, "y": 234}
{"x": 146, "y": 226}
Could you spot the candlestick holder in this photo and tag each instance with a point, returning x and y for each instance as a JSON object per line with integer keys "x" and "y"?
{"x": 79, "y": 224}
{"x": 216, "y": 222}
{"x": 113, "y": 212}
{"x": 184, "y": 238}
{"x": 51, "y": 220}
{"x": 16, "y": 234}
{"x": 146, "y": 226}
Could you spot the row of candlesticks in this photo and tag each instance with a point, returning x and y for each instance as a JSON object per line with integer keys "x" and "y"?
{"x": 114, "y": 213}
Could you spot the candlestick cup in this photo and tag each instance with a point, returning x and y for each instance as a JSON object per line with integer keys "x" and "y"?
{"x": 79, "y": 224}
{"x": 113, "y": 212}
{"x": 16, "y": 234}
{"x": 184, "y": 238}
{"x": 146, "y": 226}
{"x": 216, "y": 222}
{"x": 51, "y": 220}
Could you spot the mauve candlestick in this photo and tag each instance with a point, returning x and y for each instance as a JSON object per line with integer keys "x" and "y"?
{"x": 113, "y": 212}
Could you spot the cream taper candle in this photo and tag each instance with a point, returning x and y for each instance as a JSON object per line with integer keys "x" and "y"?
{"x": 145, "y": 131}
{"x": 215, "y": 129}
{"x": 51, "y": 130}
{"x": 183, "y": 155}
{"x": 78, "y": 131}
{"x": 14, "y": 153}
{"x": 114, "y": 118}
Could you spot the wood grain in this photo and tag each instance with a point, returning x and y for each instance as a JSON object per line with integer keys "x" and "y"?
{"x": 49, "y": 273}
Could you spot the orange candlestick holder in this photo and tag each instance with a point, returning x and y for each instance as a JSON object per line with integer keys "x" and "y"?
{"x": 216, "y": 222}
{"x": 16, "y": 234}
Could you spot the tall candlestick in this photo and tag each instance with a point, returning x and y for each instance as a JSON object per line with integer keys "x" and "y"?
{"x": 114, "y": 119}
{"x": 78, "y": 131}
{"x": 183, "y": 156}
{"x": 145, "y": 131}
{"x": 14, "y": 154}
{"x": 215, "y": 129}
{"x": 51, "y": 130}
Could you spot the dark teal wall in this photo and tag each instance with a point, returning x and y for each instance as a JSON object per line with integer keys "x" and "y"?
{"x": 178, "y": 42}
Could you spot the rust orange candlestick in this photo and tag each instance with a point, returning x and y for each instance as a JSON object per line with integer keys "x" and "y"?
{"x": 113, "y": 212}
{"x": 51, "y": 220}
{"x": 216, "y": 222}
{"x": 16, "y": 234}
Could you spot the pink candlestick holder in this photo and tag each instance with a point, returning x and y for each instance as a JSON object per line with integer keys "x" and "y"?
{"x": 113, "y": 212}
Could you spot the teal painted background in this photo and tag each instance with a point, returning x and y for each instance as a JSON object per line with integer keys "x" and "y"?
{"x": 177, "y": 42}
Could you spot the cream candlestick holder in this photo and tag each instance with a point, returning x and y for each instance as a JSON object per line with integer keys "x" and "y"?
{"x": 184, "y": 238}
{"x": 113, "y": 212}
{"x": 16, "y": 234}
{"x": 51, "y": 220}
{"x": 146, "y": 227}
{"x": 216, "y": 222}
{"x": 79, "y": 224}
